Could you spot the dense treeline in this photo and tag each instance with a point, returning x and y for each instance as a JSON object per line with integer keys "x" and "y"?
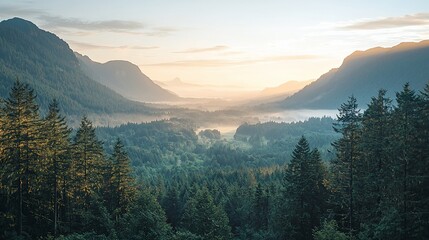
{"x": 61, "y": 183}
{"x": 174, "y": 142}
{"x": 375, "y": 187}
{"x": 276, "y": 140}
{"x": 54, "y": 184}
{"x": 46, "y": 62}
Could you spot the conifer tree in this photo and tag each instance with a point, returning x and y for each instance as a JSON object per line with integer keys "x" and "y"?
{"x": 406, "y": 157}
{"x": 122, "y": 181}
{"x": 203, "y": 218}
{"x": 260, "y": 208}
{"x": 21, "y": 146}
{"x": 373, "y": 166}
{"x": 145, "y": 220}
{"x": 343, "y": 166}
{"x": 305, "y": 194}
{"x": 56, "y": 158}
{"x": 87, "y": 167}
{"x": 423, "y": 163}
{"x": 171, "y": 205}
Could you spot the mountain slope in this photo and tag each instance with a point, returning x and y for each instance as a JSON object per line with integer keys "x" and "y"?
{"x": 126, "y": 79}
{"x": 285, "y": 88}
{"x": 50, "y": 67}
{"x": 363, "y": 73}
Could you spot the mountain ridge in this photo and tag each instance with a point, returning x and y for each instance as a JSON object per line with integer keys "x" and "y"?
{"x": 126, "y": 79}
{"x": 362, "y": 74}
{"x": 49, "y": 66}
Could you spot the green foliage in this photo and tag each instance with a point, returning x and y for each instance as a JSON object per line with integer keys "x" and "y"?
{"x": 203, "y": 218}
{"x": 55, "y": 186}
{"x": 121, "y": 180}
{"x": 276, "y": 141}
{"x": 305, "y": 194}
{"x": 329, "y": 231}
{"x": 46, "y": 62}
{"x": 186, "y": 235}
{"x": 145, "y": 220}
{"x": 210, "y": 134}
{"x": 47, "y": 185}
{"x": 83, "y": 236}
{"x": 343, "y": 167}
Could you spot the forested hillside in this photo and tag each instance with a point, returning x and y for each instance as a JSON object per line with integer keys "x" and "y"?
{"x": 126, "y": 79}
{"x": 46, "y": 62}
{"x": 362, "y": 73}
{"x": 59, "y": 182}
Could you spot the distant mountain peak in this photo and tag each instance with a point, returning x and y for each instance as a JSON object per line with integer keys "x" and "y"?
{"x": 404, "y": 46}
{"x": 20, "y": 24}
{"x": 363, "y": 73}
{"x": 47, "y": 63}
{"x": 125, "y": 78}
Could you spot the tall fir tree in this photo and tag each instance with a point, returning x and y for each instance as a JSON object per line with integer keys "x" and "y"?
{"x": 203, "y": 218}
{"x": 406, "y": 158}
{"x": 343, "y": 166}
{"x": 305, "y": 194}
{"x": 260, "y": 213}
{"x": 21, "y": 146}
{"x": 423, "y": 163}
{"x": 373, "y": 168}
{"x": 122, "y": 182}
{"x": 56, "y": 160}
{"x": 87, "y": 168}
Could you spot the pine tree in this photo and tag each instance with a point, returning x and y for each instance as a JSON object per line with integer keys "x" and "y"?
{"x": 343, "y": 166}
{"x": 423, "y": 163}
{"x": 171, "y": 205}
{"x": 145, "y": 220}
{"x": 260, "y": 209}
{"x": 406, "y": 157}
{"x": 21, "y": 146}
{"x": 122, "y": 181}
{"x": 373, "y": 168}
{"x": 203, "y": 218}
{"x": 305, "y": 193}
{"x": 87, "y": 167}
{"x": 56, "y": 158}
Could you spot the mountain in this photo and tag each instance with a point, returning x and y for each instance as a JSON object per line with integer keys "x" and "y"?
{"x": 126, "y": 79}
{"x": 288, "y": 87}
{"x": 46, "y": 62}
{"x": 363, "y": 73}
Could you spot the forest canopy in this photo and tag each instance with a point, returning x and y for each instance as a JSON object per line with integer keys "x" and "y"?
{"x": 363, "y": 175}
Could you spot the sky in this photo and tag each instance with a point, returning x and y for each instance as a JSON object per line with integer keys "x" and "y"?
{"x": 243, "y": 44}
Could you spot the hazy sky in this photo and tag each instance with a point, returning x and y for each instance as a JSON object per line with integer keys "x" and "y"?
{"x": 247, "y": 43}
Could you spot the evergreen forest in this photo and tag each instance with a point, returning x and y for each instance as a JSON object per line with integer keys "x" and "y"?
{"x": 363, "y": 175}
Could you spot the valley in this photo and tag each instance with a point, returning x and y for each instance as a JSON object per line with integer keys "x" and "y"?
{"x": 99, "y": 150}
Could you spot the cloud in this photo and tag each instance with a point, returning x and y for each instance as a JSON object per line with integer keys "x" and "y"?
{"x": 17, "y": 11}
{"x": 160, "y": 31}
{"x": 209, "y": 49}
{"x": 418, "y": 19}
{"x": 108, "y": 25}
{"x": 82, "y": 45}
{"x": 226, "y": 63}
{"x": 74, "y": 26}
{"x": 116, "y": 26}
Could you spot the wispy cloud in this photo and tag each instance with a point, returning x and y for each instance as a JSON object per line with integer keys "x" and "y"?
{"x": 417, "y": 19}
{"x": 109, "y": 25}
{"x": 161, "y": 31}
{"x": 225, "y": 63}
{"x": 83, "y": 45}
{"x": 200, "y": 50}
{"x": 8, "y": 11}
{"x": 116, "y": 26}
{"x": 74, "y": 26}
